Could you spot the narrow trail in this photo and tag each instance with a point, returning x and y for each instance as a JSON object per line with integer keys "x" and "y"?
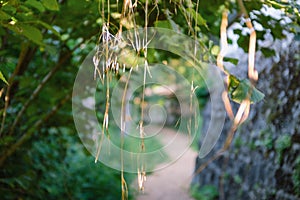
{"x": 173, "y": 181}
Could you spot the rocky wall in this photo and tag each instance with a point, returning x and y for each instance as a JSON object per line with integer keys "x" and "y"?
{"x": 264, "y": 158}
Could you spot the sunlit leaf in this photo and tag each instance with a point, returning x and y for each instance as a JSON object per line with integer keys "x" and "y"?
{"x": 3, "y": 78}
{"x": 238, "y": 90}
{"x": 215, "y": 50}
{"x": 35, "y": 4}
{"x": 51, "y": 4}
{"x": 163, "y": 24}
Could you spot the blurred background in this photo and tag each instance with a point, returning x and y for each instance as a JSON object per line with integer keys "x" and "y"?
{"x": 44, "y": 42}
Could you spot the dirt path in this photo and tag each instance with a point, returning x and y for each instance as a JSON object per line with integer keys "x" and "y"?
{"x": 172, "y": 182}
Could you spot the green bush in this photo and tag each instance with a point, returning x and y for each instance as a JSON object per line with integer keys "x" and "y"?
{"x": 58, "y": 167}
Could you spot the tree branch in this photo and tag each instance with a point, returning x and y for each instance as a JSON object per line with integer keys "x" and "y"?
{"x": 25, "y": 55}
{"x": 12, "y": 149}
{"x": 40, "y": 87}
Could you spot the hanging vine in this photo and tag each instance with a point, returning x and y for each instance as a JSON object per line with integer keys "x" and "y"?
{"x": 107, "y": 65}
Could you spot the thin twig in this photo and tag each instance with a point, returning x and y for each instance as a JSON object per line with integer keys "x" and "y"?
{"x": 105, "y": 118}
{"x": 141, "y": 169}
{"x": 123, "y": 131}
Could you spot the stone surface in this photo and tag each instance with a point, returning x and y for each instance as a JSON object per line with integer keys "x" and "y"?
{"x": 264, "y": 158}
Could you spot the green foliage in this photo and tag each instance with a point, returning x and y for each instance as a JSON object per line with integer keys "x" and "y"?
{"x": 238, "y": 142}
{"x": 268, "y": 52}
{"x": 240, "y": 89}
{"x": 50, "y": 4}
{"x": 23, "y": 18}
{"x": 237, "y": 179}
{"x": 35, "y": 4}
{"x": 282, "y": 143}
{"x": 206, "y": 192}
{"x": 52, "y": 162}
{"x": 57, "y": 167}
{"x": 265, "y": 140}
{"x": 296, "y": 176}
{"x": 50, "y": 38}
{"x": 28, "y": 31}
{"x": 231, "y": 60}
{"x": 163, "y": 24}
{"x": 3, "y": 78}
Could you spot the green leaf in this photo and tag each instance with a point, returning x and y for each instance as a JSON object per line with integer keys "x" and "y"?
{"x": 267, "y": 52}
{"x": 277, "y": 5}
{"x": 35, "y": 4}
{"x": 51, "y": 4}
{"x": 200, "y": 20}
{"x": 4, "y": 15}
{"x": 9, "y": 8}
{"x": 215, "y": 50}
{"x": 49, "y": 27}
{"x": 3, "y": 78}
{"x": 32, "y": 33}
{"x": 231, "y": 60}
{"x": 6, "y": 139}
{"x": 28, "y": 31}
{"x": 238, "y": 90}
{"x": 243, "y": 42}
{"x": 163, "y": 24}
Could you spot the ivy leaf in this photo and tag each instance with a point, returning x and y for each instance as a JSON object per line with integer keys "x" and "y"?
{"x": 238, "y": 90}
{"x": 267, "y": 52}
{"x": 3, "y": 78}
{"x": 50, "y": 4}
{"x": 243, "y": 42}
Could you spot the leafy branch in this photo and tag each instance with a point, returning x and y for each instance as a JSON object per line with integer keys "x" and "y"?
{"x": 26, "y": 136}
{"x": 25, "y": 56}
{"x": 41, "y": 86}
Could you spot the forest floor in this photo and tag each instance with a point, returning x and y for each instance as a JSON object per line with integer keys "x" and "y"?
{"x": 171, "y": 182}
